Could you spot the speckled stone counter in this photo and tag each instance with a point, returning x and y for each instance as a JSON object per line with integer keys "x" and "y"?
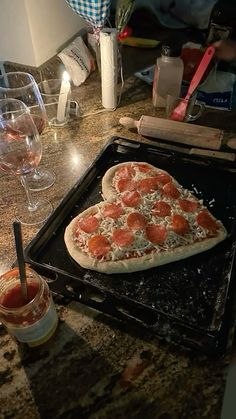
{"x": 95, "y": 366}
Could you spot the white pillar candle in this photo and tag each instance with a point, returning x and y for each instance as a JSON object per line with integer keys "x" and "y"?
{"x": 63, "y": 97}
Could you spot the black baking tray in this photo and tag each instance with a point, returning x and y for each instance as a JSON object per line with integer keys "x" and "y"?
{"x": 189, "y": 301}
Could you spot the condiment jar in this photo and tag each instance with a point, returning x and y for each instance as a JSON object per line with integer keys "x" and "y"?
{"x": 168, "y": 75}
{"x": 32, "y": 322}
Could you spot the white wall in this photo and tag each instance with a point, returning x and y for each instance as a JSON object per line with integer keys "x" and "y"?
{"x": 15, "y": 40}
{"x": 32, "y": 31}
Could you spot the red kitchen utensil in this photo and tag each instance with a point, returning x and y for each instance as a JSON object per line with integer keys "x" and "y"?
{"x": 179, "y": 112}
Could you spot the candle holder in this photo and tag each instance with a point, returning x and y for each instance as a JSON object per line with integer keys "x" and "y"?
{"x": 56, "y": 94}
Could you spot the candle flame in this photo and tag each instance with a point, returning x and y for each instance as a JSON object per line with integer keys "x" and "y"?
{"x": 65, "y": 76}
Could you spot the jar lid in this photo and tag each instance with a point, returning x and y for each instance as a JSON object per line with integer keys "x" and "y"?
{"x": 171, "y": 50}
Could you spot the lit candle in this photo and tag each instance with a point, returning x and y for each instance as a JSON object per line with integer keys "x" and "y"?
{"x": 63, "y": 97}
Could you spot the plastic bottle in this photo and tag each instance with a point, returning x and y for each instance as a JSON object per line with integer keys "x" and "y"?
{"x": 168, "y": 75}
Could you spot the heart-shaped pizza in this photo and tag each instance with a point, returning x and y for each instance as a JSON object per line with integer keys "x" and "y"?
{"x": 147, "y": 219}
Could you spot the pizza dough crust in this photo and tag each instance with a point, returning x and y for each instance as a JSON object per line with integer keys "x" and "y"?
{"x": 136, "y": 263}
{"x": 108, "y": 191}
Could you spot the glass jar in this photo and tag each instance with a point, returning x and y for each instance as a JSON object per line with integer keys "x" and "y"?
{"x": 32, "y": 322}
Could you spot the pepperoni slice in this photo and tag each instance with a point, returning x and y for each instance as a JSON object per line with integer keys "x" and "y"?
{"x": 112, "y": 211}
{"x": 126, "y": 171}
{"x": 126, "y": 185}
{"x": 89, "y": 224}
{"x": 122, "y": 237}
{"x": 205, "y": 220}
{"x": 136, "y": 221}
{"x": 170, "y": 190}
{"x": 131, "y": 199}
{"x": 148, "y": 185}
{"x": 187, "y": 205}
{"x": 180, "y": 225}
{"x": 156, "y": 234}
{"x": 163, "y": 178}
{"x": 142, "y": 167}
{"x": 99, "y": 245}
{"x": 161, "y": 209}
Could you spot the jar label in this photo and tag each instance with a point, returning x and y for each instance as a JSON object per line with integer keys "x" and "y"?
{"x": 39, "y": 332}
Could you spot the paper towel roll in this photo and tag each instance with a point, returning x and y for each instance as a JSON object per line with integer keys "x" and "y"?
{"x": 108, "y": 47}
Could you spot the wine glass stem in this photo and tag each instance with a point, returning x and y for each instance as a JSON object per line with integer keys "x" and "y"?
{"x": 37, "y": 174}
{"x": 31, "y": 204}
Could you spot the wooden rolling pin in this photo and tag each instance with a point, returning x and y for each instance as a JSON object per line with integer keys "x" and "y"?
{"x": 179, "y": 132}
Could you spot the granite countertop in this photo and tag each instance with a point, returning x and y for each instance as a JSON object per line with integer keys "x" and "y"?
{"x": 94, "y": 366}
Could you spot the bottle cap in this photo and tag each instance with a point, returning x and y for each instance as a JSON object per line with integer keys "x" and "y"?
{"x": 171, "y": 50}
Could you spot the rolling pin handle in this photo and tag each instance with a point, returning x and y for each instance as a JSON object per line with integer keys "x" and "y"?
{"x": 231, "y": 143}
{"x": 129, "y": 123}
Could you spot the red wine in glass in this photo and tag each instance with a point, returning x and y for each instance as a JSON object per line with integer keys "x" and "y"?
{"x": 40, "y": 122}
{"x": 20, "y": 155}
{"x": 22, "y": 86}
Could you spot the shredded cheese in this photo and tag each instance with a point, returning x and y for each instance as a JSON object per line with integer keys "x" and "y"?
{"x": 141, "y": 244}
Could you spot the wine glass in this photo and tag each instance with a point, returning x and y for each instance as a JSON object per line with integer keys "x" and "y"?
{"x": 22, "y": 86}
{"x": 20, "y": 154}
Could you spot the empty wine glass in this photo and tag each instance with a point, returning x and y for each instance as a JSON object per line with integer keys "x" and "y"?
{"x": 20, "y": 154}
{"x": 22, "y": 86}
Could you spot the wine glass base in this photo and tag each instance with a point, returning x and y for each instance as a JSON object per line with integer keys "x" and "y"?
{"x": 40, "y": 180}
{"x": 43, "y": 209}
